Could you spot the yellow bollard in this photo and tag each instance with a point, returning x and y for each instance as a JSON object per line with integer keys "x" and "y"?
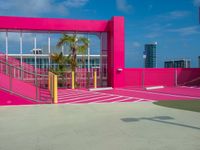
{"x": 95, "y": 79}
{"x": 73, "y": 82}
{"x": 51, "y": 84}
{"x": 49, "y": 80}
{"x": 55, "y": 89}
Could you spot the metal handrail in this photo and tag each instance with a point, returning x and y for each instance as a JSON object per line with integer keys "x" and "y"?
{"x": 21, "y": 69}
{"x": 36, "y": 79}
{"x": 17, "y": 62}
{"x": 191, "y": 81}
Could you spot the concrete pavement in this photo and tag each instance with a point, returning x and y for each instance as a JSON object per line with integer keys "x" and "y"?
{"x": 127, "y": 126}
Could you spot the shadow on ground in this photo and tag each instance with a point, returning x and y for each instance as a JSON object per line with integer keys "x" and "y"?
{"x": 160, "y": 119}
{"x": 190, "y": 105}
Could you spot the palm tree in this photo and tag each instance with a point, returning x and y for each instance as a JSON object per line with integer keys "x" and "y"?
{"x": 61, "y": 69}
{"x": 77, "y": 45}
{"x": 61, "y": 61}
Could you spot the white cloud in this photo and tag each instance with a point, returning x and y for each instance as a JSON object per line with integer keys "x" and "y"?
{"x": 178, "y": 14}
{"x": 186, "y": 30}
{"x": 153, "y": 35}
{"x": 173, "y": 15}
{"x": 197, "y": 2}
{"x": 162, "y": 25}
{"x": 38, "y": 7}
{"x": 75, "y": 3}
{"x": 123, "y": 6}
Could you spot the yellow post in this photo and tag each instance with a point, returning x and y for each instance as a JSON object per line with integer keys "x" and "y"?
{"x": 49, "y": 79}
{"x": 51, "y": 84}
{"x": 55, "y": 89}
{"x": 95, "y": 79}
{"x": 73, "y": 82}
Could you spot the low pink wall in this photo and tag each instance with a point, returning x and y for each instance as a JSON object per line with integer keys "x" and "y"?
{"x": 133, "y": 77}
{"x": 188, "y": 76}
{"x": 4, "y": 81}
{"x": 6, "y": 99}
{"x": 24, "y": 89}
{"x": 18, "y": 86}
{"x": 161, "y": 76}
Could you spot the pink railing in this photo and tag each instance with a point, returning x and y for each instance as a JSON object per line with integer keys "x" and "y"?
{"x": 82, "y": 79}
{"x": 23, "y": 73}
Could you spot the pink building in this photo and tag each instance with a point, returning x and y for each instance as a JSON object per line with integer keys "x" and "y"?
{"x": 111, "y": 32}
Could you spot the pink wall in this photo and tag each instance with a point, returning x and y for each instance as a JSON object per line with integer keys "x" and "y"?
{"x": 188, "y": 76}
{"x": 161, "y": 76}
{"x": 133, "y": 77}
{"x": 18, "y": 86}
{"x": 116, "y": 52}
{"x": 6, "y": 99}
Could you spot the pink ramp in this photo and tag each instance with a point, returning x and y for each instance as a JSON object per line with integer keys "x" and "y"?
{"x": 161, "y": 94}
{"x": 6, "y": 99}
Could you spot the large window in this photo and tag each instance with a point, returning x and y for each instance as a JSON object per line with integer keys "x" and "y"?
{"x": 2, "y": 42}
{"x": 27, "y": 43}
{"x": 13, "y": 43}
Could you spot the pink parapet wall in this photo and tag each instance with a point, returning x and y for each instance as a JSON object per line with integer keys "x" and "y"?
{"x": 114, "y": 29}
{"x": 139, "y": 77}
{"x": 19, "y": 87}
{"x": 188, "y": 76}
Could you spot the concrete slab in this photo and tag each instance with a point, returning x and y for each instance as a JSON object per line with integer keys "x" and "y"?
{"x": 116, "y": 126}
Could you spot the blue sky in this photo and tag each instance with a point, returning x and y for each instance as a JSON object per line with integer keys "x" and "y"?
{"x": 174, "y": 24}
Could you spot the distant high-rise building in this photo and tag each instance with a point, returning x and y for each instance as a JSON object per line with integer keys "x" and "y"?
{"x": 199, "y": 61}
{"x": 150, "y": 55}
{"x": 169, "y": 64}
{"x": 199, "y": 14}
{"x": 181, "y": 63}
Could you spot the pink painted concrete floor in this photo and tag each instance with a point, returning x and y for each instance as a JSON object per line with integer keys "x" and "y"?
{"x": 6, "y": 99}
{"x": 129, "y": 94}
{"x": 118, "y": 95}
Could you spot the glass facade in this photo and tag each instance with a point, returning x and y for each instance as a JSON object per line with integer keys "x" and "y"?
{"x": 169, "y": 64}
{"x": 150, "y": 52}
{"x": 43, "y": 61}
{"x": 182, "y": 63}
{"x": 35, "y": 48}
{"x": 199, "y": 61}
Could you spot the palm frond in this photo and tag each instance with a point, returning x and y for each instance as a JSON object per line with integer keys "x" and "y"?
{"x": 84, "y": 41}
{"x": 77, "y": 45}
{"x": 82, "y": 49}
{"x": 55, "y": 57}
{"x": 65, "y": 39}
